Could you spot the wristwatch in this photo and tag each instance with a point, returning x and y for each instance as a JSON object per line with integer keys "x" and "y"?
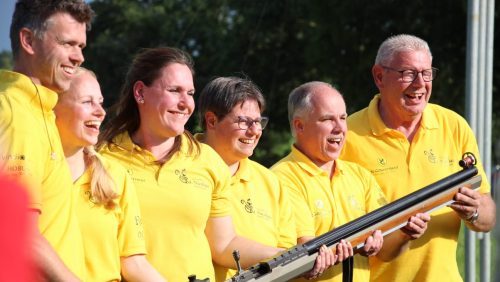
{"x": 473, "y": 218}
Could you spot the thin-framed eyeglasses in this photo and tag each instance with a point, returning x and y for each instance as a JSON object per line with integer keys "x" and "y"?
{"x": 411, "y": 75}
{"x": 245, "y": 123}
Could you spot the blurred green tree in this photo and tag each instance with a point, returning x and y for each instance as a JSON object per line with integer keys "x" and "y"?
{"x": 280, "y": 45}
{"x": 6, "y": 60}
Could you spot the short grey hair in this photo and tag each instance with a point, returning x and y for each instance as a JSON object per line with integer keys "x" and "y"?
{"x": 299, "y": 100}
{"x": 400, "y": 43}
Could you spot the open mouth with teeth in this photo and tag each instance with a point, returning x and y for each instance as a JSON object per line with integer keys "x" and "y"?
{"x": 247, "y": 141}
{"x": 69, "y": 70}
{"x": 334, "y": 140}
{"x": 180, "y": 114}
{"x": 94, "y": 124}
{"x": 415, "y": 96}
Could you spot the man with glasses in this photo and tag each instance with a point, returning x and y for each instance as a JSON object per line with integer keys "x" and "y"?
{"x": 407, "y": 143}
{"x": 327, "y": 192}
{"x": 230, "y": 114}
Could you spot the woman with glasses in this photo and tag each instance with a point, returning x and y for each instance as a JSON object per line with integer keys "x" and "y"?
{"x": 181, "y": 184}
{"x": 230, "y": 111}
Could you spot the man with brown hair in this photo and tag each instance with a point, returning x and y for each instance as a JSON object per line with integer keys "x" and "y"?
{"x": 47, "y": 39}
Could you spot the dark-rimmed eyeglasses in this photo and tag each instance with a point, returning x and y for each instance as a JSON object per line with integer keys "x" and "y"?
{"x": 411, "y": 75}
{"x": 245, "y": 123}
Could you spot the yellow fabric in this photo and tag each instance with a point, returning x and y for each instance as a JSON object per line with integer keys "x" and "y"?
{"x": 176, "y": 199}
{"x": 26, "y": 155}
{"x": 109, "y": 234}
{"x": 261, "y": 210}
{"x": 401, "y": 168}
{"x": 321, "y": 204}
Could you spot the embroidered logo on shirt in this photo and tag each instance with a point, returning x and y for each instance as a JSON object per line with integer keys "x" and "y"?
{"x": 439, "y": 160}
{"x": 13, "y": 157}
{"x": 91, "y": 198}
{"x": 134, "y": 178}
{"x": 354, "y": 203}
{"x": 319, "y": 204}
{"x": 182, "y": 176}
{"x": 248, "y": 205}
{"x": 382, "y": 167}
{"x": 14, "y": 165}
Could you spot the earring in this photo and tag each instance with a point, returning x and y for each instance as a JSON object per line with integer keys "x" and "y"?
{"x": 140, "y": 100}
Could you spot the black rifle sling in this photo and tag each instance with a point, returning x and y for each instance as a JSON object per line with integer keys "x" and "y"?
{"x": 347, "y": 269}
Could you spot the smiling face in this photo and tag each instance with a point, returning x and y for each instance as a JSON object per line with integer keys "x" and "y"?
{"x": 58, "y": 53}
{"x": 403, "y": 101}
{"x": 232, "y": 143}
{"x": 321, "y": 129}
{"x": 167, "y": 103}
{"x": 79, "y": 112}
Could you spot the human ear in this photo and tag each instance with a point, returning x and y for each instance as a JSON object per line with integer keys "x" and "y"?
{"x": 26, "y": 40}
{"x": 138, "y": 92}
{"x": 210, "y": 120}
{"x": 298, "y": 125}
{"x": 378, "y": 73}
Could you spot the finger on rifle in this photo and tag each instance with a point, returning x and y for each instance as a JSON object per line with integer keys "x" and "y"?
{"x": 329, "y": 258}
{"x": 424, "y": 217}
{"x": 368, "y": 244}
{"x": 379, "y": 240}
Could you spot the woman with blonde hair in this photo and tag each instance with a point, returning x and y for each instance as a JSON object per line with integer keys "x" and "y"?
{"x": 107, "y": 208}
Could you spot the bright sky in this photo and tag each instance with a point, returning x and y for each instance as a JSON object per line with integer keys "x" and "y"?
{"x": 6, "y": 9}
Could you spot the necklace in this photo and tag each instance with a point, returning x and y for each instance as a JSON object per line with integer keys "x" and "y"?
{"x": 53, "y": 154}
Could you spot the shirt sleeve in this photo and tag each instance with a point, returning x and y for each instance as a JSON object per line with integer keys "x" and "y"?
{"x": 131, "y": 232}
{"x": 287, "y": 228}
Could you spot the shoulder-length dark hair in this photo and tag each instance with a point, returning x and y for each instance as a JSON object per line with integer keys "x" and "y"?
{"x": 145, "y": 67}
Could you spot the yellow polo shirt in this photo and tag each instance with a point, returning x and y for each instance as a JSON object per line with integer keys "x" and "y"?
{"x": 176, "y": 199}
{"x": 109, "y": 234}
{"x": 261, "y": 210}
{"x": 322, "y": 204}
{"x": 400, "y": 168}
{"x": 25, "y": 153}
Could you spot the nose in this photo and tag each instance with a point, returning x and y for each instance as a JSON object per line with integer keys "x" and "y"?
{"x": 185, "y": 100}
{"x": 254, "y": 129}
{"x": 419, "y": 80}
{"x": 99, "y": 111}
{"x": 77, "y": 56}
{"x": 339, "y": 125}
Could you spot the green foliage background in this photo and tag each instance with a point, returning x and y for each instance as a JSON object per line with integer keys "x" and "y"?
{"x": 281, "y": 44}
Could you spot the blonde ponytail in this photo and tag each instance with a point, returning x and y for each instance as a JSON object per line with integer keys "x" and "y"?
{"x": 102, "y": 185}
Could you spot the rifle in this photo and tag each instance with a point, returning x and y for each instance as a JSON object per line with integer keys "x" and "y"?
{"x": 389, "y": 218}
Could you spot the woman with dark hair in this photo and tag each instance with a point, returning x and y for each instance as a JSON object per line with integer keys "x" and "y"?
{"x": 181, "y": 184}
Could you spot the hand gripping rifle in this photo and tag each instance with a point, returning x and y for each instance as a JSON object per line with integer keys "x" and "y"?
{"x": 389, "y": 218}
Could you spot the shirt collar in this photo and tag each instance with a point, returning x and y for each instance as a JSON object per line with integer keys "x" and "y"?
{"x": 47, "y": 97}
{"x": 243, "y": 173}
{"x": 307, "y": 165}
{"x": 378, "y": 127}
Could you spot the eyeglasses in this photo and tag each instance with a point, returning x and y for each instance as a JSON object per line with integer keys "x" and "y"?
{"x": 411, "y": 75}
{"x": 245, "y": 123}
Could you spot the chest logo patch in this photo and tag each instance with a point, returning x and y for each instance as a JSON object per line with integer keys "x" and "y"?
{"x": 438, "y": 160}
{"x": 182, "y": 176}
{"x": 248, "y": 205}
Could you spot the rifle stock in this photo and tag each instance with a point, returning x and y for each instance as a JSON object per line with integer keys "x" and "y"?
{"x": 389, "y": 218}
